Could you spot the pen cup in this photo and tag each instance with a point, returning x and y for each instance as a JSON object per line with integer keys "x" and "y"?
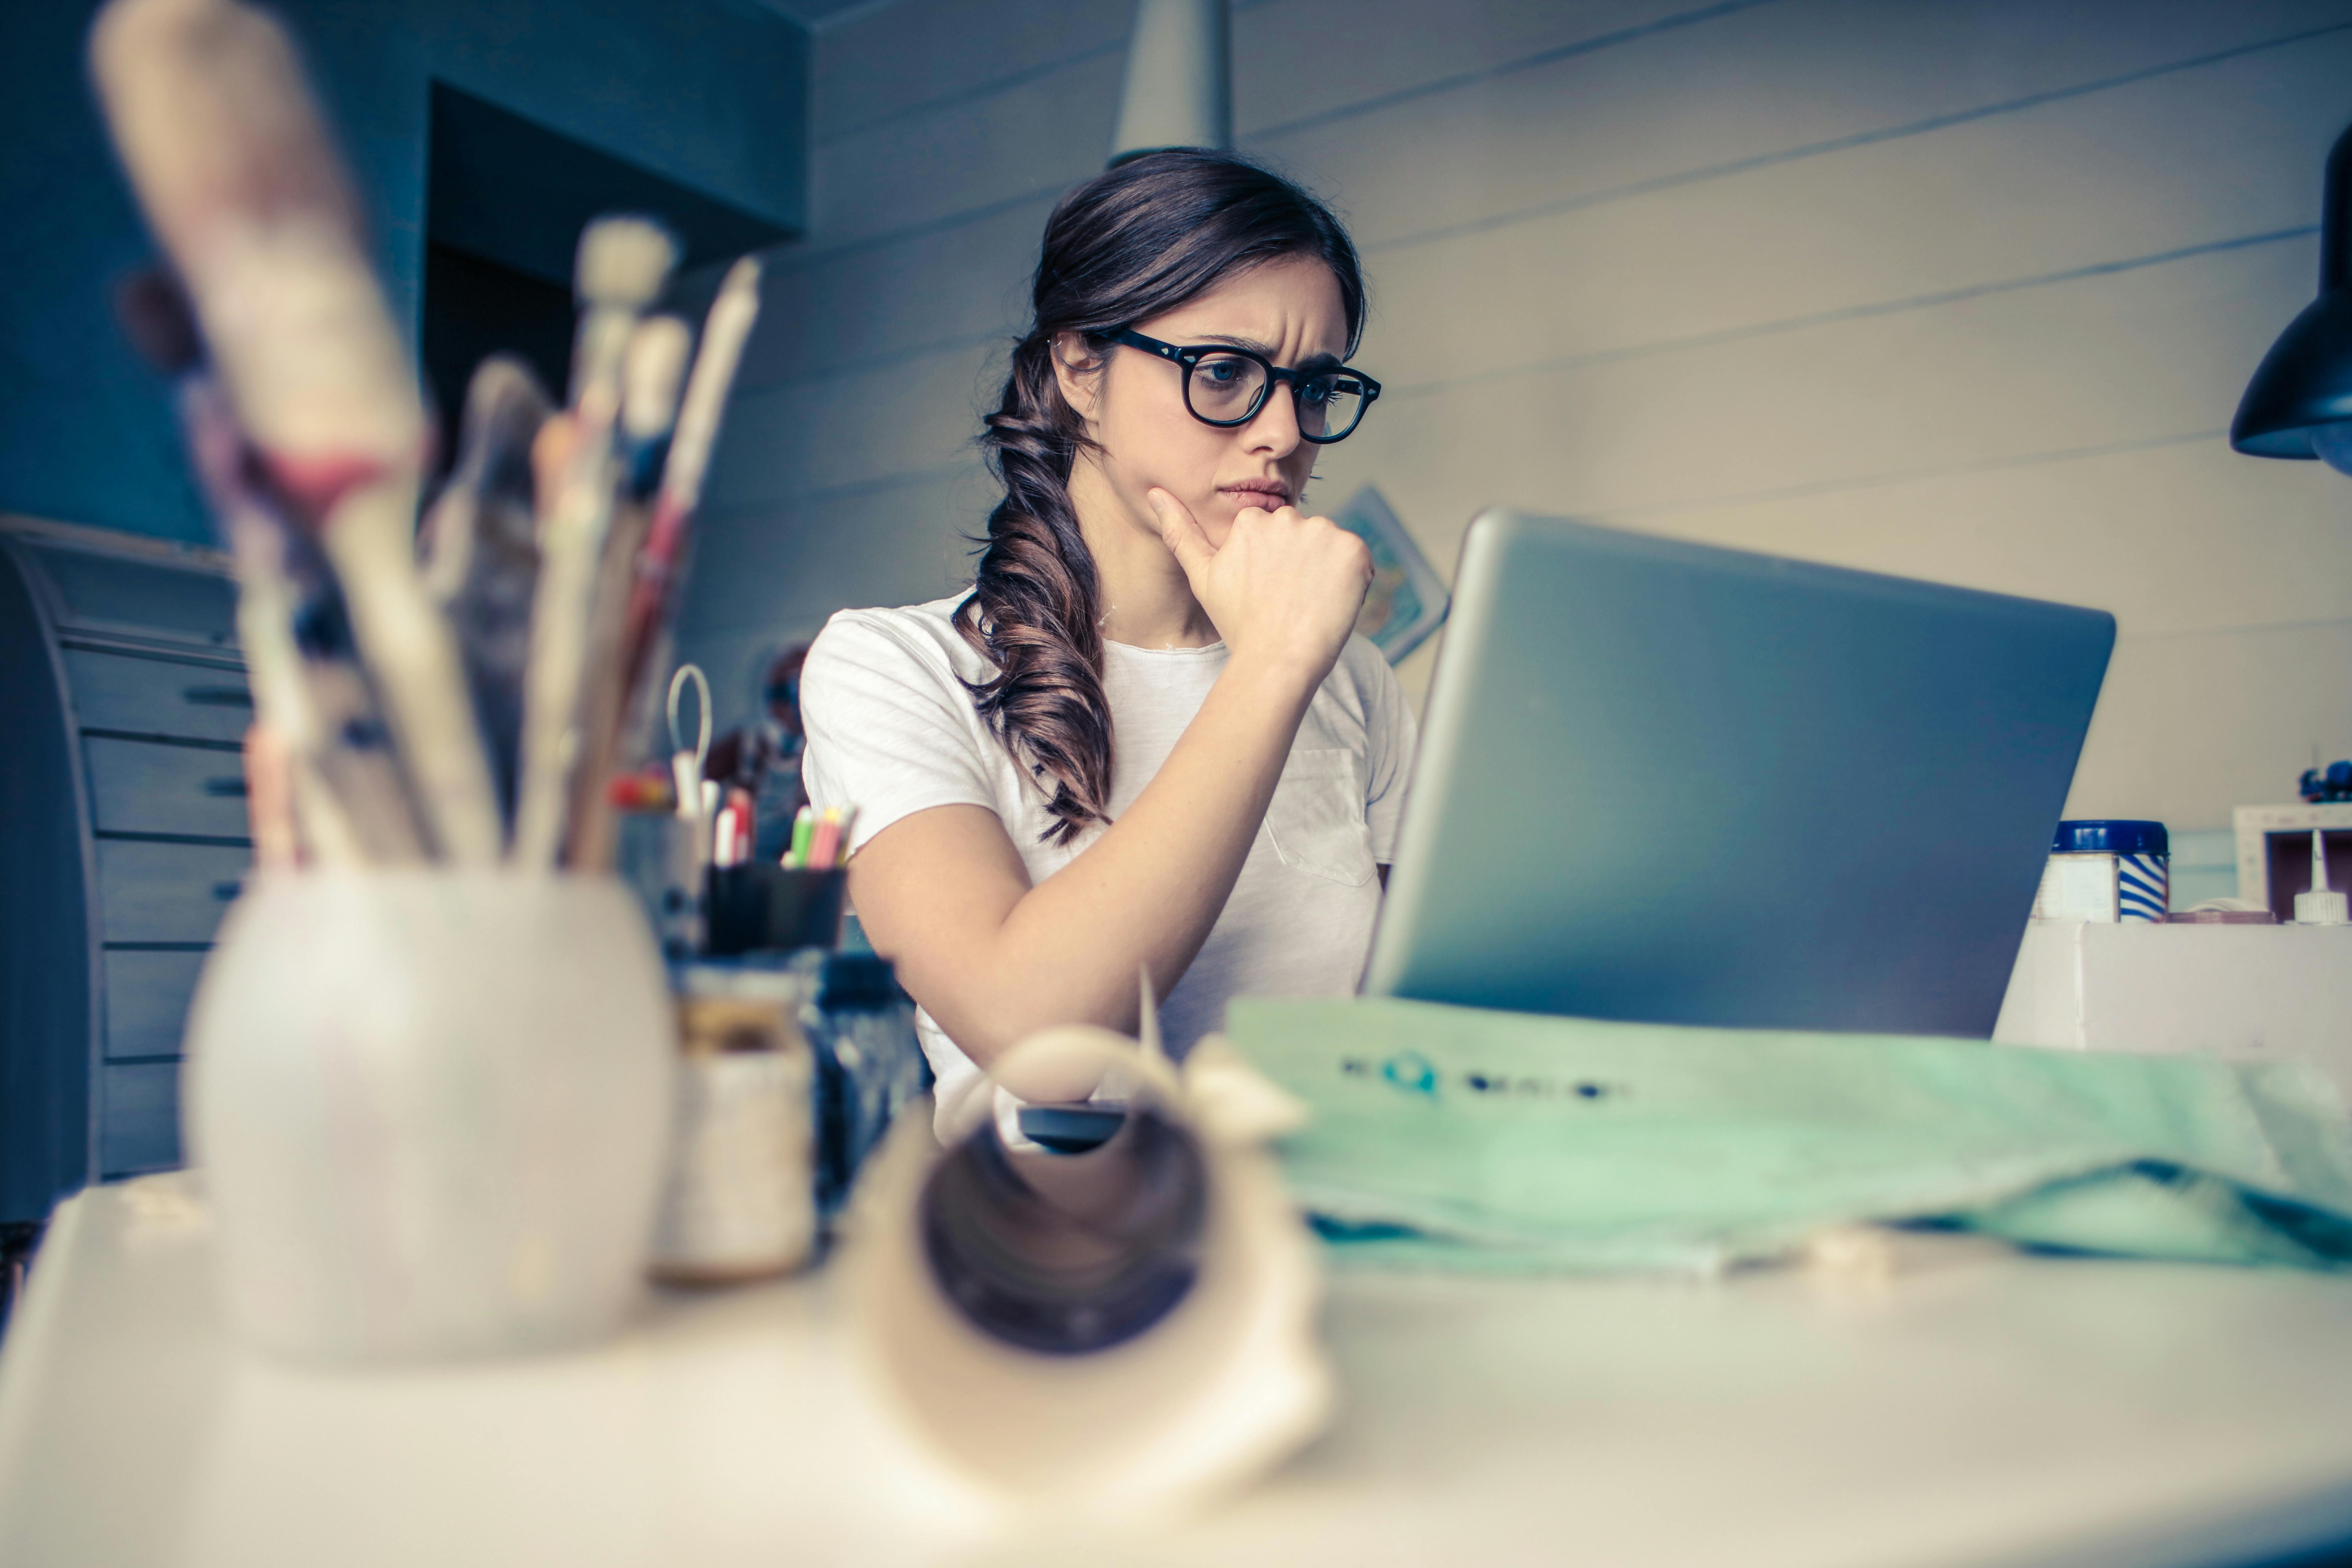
{"x": 755, "y": 906}
{"x": 431, "y": 1109}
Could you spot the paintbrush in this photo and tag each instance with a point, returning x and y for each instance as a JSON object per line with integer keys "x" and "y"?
{"x": 231, "y": 160}
{"x": 652, "y": 369}
{"x": 310, "y": 698}
{"x": 622, "y": 263}
{"x": 481, "y": 553}
{"x": 725, "y": 330}
{"x": 310, "y": 686}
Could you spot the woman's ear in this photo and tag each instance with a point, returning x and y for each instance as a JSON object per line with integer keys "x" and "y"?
{"x": 1078, "y": 369}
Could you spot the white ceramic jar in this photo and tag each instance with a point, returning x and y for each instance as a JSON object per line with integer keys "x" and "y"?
{"x": 431, "y": 1109}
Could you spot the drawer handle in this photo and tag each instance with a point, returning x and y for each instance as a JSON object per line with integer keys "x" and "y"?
{"x": 225, "y": 788}
{"x": 227, "y": 892}
{"x": 219, "y": 696}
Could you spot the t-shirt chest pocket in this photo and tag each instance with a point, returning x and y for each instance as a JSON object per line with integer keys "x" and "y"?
{"x": 1316, "y": 817}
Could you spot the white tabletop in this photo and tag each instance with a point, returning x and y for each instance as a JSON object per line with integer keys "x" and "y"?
{"x": 1980, "y": 1407}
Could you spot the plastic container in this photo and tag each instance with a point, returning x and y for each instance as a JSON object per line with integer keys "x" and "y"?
{"x": 2106, "y": 871}
{"x": 756, "y": 907}
{"x": 430, "y": 1109}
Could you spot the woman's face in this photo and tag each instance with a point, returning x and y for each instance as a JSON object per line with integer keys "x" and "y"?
{"x": 1290, "y": 311}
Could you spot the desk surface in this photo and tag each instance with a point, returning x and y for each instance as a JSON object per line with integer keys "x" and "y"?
{"x": 1978, "y": 1408}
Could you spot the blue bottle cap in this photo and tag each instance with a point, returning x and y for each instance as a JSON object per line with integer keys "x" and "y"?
{"x": 2116, "y": 837}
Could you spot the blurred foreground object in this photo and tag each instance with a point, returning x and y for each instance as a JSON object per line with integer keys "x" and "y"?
{"x": 240, "y": 180}
{"x": 474, "y": 709}
{"x": 1114, "y": 1321}
{"x": 430, "y": 1109}
{"x": 1980, "y": 1406}
{"x": 431, "y": 1100}
{"x": 741, "y": 1199}
{"x": 2299, "y": 403}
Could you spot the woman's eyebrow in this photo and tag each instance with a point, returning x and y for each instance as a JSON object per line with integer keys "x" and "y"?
{"x": 1265, "y": 349}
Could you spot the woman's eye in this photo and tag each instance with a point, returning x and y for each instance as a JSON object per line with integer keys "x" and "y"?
{"x": 1315, "y": 392}
{"x": 1223, "y": 371}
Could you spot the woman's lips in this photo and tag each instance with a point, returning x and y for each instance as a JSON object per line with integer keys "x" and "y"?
{"x": 1264, "y": 499}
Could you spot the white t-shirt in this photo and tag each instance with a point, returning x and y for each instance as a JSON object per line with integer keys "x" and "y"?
{"x": 892, "y": 731}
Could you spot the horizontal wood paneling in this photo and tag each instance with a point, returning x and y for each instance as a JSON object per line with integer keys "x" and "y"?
{"x": 1299, "y": 59}
{"x": 918, "y": 53}
{"x": 972, "y": 153}
{"x": 790, "y": 566}
{"x": 849, "y": 429}
{"x": 2170, "y": 163}
{"x": 1758, "y": 85}
{"x": 2230, "y": 716}
{"x": 830, "y": 314}
{"x": 2089, "y": 363}
{"x": 2115, "y": 529}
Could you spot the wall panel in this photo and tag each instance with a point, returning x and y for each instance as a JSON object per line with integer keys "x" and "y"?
{"x": 1753, "y": 87}
{"x": 2170, "y": 163}
{"x": 2087, "y": 363}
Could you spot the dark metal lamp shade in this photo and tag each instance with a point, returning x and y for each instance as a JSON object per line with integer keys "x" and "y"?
{"x": 2299, "y": 403}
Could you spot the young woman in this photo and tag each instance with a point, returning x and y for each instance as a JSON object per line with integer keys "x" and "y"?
{"x": 1146, "y": 737}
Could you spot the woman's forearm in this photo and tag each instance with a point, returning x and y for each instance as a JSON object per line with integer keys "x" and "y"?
{"x": 1144, "y": 894}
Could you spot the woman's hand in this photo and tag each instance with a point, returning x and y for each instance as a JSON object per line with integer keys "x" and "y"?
{"x": 1284, "y": 589}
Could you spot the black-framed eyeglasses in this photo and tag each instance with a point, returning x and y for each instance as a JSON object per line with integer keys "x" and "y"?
{"x": 1227, "y": 386}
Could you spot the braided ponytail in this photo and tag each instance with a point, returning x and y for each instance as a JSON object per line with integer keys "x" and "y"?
{"x": 1132, "y": 243}
{"x": 1033, "y": 607}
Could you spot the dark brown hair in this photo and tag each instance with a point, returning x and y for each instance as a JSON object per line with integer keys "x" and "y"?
{"x": 1132, "y": 243}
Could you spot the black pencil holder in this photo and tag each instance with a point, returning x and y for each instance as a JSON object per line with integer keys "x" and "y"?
{"x": 756, "y": 905}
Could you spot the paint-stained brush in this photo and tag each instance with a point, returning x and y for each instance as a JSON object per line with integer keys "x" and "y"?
{"x": 725, "y": 330}
{"x": 653, "y": 366}
{"x": 309, "y": 692}
{"x": 233, "y": 165}
{"x": 623, "y": 265}
{"x": 481, "y": 551}
{"x": 351, "y": 795}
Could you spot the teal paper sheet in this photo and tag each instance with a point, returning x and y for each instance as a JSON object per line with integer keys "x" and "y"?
{"x": 1458, "y": 1138}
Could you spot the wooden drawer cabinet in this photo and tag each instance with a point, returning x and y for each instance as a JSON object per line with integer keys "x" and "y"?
{"x": 141, "y": 1131}
{"x": 126, "y": 842}
{"x": 154, "y": 787}
{"x": 146, "y": 997}
{"x": 166, "y": 892}
{"x": 130, "y": 694}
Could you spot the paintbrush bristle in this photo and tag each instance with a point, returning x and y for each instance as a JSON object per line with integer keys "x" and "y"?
{"x": 650, "y": 374}
{"x": 623, "y": 262}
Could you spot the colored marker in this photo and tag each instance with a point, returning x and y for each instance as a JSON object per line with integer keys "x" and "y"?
{"x": 826, "y": 840}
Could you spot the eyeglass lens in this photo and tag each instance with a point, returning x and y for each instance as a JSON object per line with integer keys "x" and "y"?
{"x": 1226, "y": 389}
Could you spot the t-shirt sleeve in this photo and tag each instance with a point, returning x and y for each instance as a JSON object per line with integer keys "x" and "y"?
{"x": 890, "y": 730}
{"x": 1393, "y": 738}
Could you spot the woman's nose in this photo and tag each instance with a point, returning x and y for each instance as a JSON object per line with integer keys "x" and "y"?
{"x": 1276, "y": 429}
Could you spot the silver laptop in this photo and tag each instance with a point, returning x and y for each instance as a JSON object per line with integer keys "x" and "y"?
{"x": 1664, "y": 782}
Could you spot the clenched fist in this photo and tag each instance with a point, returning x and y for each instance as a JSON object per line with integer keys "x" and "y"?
{"x": 1284, "y": 589}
